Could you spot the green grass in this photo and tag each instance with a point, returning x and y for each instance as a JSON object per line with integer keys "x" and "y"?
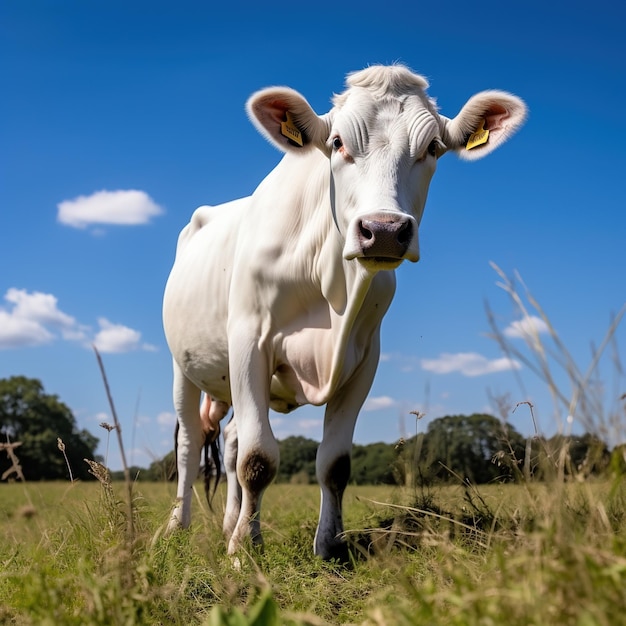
{"x": 544, "y": 554}
{"x": 502, "y": 554}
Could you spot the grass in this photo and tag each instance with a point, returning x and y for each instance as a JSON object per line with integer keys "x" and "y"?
{"x": 550, "y": 553}
{"x": 501, "y": 554}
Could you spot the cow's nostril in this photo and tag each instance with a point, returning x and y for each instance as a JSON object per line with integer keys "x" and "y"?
{"x": 406, "y": 231}
{"x": 384, "y": 236}
{"x": 365, "y": 232}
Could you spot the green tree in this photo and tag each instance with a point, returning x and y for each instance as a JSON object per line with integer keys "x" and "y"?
{"x": 371, "y": 464}
{"x": 618, "y": 460}
{"x": 162, "y": 469}
{"x": 38, "y": 420}
{"x": 297, "y": 457}
{"x": 583, "y": 454}
{"x": 588, "y": 454}
{"x": 477, "y": 447}
{"x": 374, "y": 464}
{"x": 136, "y": 473}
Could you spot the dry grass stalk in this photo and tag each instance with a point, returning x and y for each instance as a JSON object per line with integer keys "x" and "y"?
{"x": 99, "y": 471}
{"x": 118, "y": 429}
{"x": 15, "y": 468}
{"x": 584, "y": 402}
{"x": 108, "y": 427}
{"x": 61, "y": 447}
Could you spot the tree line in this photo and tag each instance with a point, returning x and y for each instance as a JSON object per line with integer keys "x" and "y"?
{"x": 46, "y": 431}
{"x": 478, "y": 448}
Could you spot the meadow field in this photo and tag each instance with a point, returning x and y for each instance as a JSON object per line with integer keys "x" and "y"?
{"x": 521, "y": 554}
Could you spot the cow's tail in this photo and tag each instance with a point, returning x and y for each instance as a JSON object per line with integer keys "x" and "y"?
{"x": 212, "y": 459}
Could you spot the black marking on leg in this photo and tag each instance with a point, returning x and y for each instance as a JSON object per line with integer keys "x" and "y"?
{"x": 338, "y": 474}
{"x": 258, "y": 471}
{"x": 336, "y": 479}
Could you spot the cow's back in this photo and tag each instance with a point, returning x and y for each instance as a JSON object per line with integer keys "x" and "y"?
{"x": 195, "y": 304}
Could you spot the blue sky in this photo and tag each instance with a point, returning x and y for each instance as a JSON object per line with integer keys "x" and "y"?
{"x": 120, "y": 118}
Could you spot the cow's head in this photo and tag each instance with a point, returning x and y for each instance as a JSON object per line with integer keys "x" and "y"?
{"x": 383, "y": 138}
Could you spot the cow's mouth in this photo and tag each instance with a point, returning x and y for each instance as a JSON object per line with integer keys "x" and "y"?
{"x": 379, "y": 263}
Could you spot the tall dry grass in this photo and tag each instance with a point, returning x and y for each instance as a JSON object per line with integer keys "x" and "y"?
{"x": 532, "y": 553}
{"x": 586, "y": 397}
{"x": 555, "y": 552}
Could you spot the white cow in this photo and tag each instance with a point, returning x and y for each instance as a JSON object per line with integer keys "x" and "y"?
{"x": 276, "y": 300}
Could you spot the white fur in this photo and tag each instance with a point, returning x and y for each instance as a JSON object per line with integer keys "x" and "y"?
{"x": 272, "y": 300}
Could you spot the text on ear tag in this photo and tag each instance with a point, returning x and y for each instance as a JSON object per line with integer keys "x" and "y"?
{"x": 478, "y": 138}
{"x": 290, "y": 130}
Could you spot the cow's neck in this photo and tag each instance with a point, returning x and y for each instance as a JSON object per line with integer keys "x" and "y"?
{"x": 346, "y": 286}
{"x": 345, "y": 322}
{"x": 343, "y": 286}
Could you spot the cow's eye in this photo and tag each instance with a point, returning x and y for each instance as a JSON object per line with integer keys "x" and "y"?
{"x": 436, "y": 148}
{"x": 337, "y": 143}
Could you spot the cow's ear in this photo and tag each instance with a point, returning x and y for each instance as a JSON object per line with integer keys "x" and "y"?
{"x": 287, "y": 120}
{"x": 487, "y": 120}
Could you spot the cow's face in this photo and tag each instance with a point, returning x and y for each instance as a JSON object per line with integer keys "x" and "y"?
{"x": 383, "y": 154}
{"x": 383, "y": 138}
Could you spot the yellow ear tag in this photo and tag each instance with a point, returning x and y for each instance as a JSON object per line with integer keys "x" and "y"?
{"x": 478, "y": 138}
{"x": 290, "y": 130}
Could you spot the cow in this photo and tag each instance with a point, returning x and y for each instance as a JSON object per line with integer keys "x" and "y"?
{"x": 276, "y": 300}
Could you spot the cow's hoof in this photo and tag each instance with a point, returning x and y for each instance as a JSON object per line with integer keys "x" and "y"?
{"x": 337, "y": 551}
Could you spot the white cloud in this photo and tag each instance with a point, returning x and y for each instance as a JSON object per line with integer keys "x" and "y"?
{"x": 277, "y": 421}
{"x": 39, "y": 307}
{"x": 139, "y": 457}
{"x": 468, "y": 363}
{"x": 381, "y": 402}
{"x": 18, "y": 333}
{"x": 102, "y": 417}
{"x": 526, "y": 328}
{"x": 405, "y": 363}
{"x": 78, "y": 334}
{"x": 116, "y": 338}
{"x": 34, "y": 318}
{"x": 303, "y": 426}
{"x": 166, "y": 419}
{"x": 309, "y": 423}
{"x": 123, "y": 207}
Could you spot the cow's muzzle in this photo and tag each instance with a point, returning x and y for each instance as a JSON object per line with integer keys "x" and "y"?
{"x": 385, "y": 235}
{"x": 385, "y": 238}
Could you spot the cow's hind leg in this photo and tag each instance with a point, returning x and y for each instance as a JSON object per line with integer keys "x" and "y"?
{"x": 190, "y": 441}
{"x": 233, "y": 493}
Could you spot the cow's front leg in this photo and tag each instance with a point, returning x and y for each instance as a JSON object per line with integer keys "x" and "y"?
{"x": 332, "y": 463}
{"x": 333, "y": 472}
{"x": 190, "y": 440}
{"x": 257, "y": 450}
